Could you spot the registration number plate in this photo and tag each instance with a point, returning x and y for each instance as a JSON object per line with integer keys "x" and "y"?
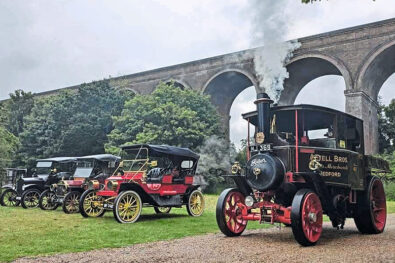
{"x": 108, "y": 206}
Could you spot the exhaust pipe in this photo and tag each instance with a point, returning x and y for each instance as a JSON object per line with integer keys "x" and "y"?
{"x": 263, "y": 102}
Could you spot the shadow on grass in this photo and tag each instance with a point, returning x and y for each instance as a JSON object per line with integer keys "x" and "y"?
{"x": 109, "y": 217}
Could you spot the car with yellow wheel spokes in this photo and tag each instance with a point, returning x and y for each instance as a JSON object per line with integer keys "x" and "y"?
{"x": 158, "y": 176}
{"x": 90, "y": 173}
{"x": 8, "y": 196}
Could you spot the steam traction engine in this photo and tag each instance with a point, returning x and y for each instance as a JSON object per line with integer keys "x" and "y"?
{"x": 306, "y": 161}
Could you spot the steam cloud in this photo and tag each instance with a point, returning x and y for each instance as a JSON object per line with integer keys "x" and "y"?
{"x": 269, "y": 27}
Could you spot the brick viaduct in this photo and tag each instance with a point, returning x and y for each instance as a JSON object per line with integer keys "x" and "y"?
{"x": 363, "y": 55}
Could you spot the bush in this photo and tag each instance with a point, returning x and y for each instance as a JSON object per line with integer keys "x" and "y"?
{"x": 390, "y": 191}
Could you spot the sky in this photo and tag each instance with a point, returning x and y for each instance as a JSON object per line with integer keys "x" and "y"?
{"x": 51, "y": 44}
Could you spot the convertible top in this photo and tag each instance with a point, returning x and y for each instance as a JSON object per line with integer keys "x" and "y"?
{"x": 59, "y": 159}
{"x": 102, "y": 157}
{"x": 158, "y": 150}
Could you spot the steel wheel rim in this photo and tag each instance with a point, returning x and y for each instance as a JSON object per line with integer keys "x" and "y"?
{"x": 164, "y": 209}
{"x": 89, "y": 208}
{"x": 196, "y": 203}
{"x": 48, "y": 200}
{"x": 32, "y": 198}
{"x": 311, "y": 217}
{"x": 72, "y": 203}
{"x": 9, "y": 198}
{"x": 378, "y": 205}
{"x": 233, "y": 217}
{"x": 129, "y": 207}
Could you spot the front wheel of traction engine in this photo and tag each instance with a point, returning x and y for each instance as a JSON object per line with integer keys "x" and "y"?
{"x": 306, "y": 217}
{"x": 91, "y": 205}
{"x": 71, "y": 202}
{"x": 48, "y": 201}
{"x": 127, "y": 207}
{"x": 371, "y": 212}
{"x": 30, "y": 198}
{"x": 228, "y": 213}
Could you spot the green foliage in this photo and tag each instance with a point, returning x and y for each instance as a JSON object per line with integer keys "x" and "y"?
{"x": 71, "y": 123}
{"x": 18, "y": 107}
{"x": 169, "y": 115}
{"x": 386, "y": 119}
{"x": 8, "y": 147}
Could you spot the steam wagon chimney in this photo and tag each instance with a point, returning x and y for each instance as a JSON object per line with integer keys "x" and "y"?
{"x": 263, "y": 102}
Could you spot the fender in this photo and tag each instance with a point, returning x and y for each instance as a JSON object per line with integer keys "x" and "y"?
{"x": 8, "y": 186}
{"x": 31, "y": 186}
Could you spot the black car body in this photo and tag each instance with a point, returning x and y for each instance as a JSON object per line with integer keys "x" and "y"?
{"x": 48, "y": 171}
{"x": 8, "y": 186}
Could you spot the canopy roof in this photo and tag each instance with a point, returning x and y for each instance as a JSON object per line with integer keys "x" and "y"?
{"x": 160, "y": 150}
{"x": 59, "y": 159}
{"x": 102, "y": 157}
{"x": 253, "y": 115}
{"x": 15, "y": 169}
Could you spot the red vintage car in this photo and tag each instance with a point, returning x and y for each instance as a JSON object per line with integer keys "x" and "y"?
{"x": 160, "y": 176}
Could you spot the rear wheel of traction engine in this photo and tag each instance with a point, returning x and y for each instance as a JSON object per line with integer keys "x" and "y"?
{"x": 8, "y": 198}
{"x": 371, "y": 213}
{"x": 30, "y": 198}
{"x": 127, "y": 207}
{"x": 91, "y": 205}
{"x": 48, "y": 201}
{"x": 228, "y": 213}
{"x": 306, "y": 217}
{"x": 162, "y": 209}
{"x": 71, "y": 202}
{"x": 195, "y": 205}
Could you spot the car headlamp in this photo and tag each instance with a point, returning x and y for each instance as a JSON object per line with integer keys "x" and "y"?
{"x": 249, "y": 201}
{"x": 112, "y": 185}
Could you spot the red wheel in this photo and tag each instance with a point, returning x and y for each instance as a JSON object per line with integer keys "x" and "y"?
{"x": 228, "y": 213}
{"x": 306, "y": 217}
{"x": 371, "y": 214}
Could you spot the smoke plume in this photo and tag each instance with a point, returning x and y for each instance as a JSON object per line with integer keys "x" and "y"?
{"x": 270, "y": 26}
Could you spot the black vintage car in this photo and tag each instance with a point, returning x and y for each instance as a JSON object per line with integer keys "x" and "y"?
{"x": 91, "y": 170}
{"x": 306, "y": 161}
{"x": 47, "y": 172}
{"x": 8, "y": 193}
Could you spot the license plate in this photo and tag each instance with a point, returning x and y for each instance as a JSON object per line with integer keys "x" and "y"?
{"x": 60, "y": 200}
{"x": 108, "y": 206}
{"x": 18, "y": 198}
{"x": 265, "y": 147}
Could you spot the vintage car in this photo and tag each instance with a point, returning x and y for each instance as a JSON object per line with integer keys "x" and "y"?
{"x": 306, "y": 161}
{"x": 47, "y": 172}
{"x": 149, "y": 175}
{"x": 94, "y": 169}
{"x": 8, "y": 193}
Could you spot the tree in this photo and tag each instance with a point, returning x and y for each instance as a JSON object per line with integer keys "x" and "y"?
{"x": 18, "y": 107}
{"x": 71, "y": 123}
{"x": 8, "y": 147}
{"x": 169, "y": 115}
{"x": 386, "y": 119}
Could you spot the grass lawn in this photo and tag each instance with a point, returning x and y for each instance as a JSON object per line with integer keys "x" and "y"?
{"x": 36, "y": 232}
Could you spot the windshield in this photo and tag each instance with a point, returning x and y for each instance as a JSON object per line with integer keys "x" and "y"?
{"x": 43, "y": 167}
{"x": 83, "y": 172}
{"x": 135, "y": 159}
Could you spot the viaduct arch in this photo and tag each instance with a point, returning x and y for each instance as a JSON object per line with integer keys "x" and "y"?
{"x": 363, "y": 55}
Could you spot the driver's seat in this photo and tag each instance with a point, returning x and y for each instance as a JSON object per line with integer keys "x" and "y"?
{"x": 154, "y": 175}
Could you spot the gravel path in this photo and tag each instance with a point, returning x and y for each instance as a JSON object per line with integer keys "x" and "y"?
{"x": 268, "y": 245}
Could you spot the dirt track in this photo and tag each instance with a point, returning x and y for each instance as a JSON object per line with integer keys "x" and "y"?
{"x": 269, "y": 245}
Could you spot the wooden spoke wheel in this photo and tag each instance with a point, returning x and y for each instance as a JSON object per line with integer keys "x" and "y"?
{"x": 71, "y": 202}
{"x": 91, "y": 205}
{"x": 8, "y": 198}
{"x": 371, "y": 214}
{"x": 306, "y": 217}
{"x": 48, "y": 200}
{"x": 162, "y": 209}
{"x": 30, "y": 198}
{"x": 195, "y": 206}
{"x": 228, "y": 214}
{"x": 127, "y": 207}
